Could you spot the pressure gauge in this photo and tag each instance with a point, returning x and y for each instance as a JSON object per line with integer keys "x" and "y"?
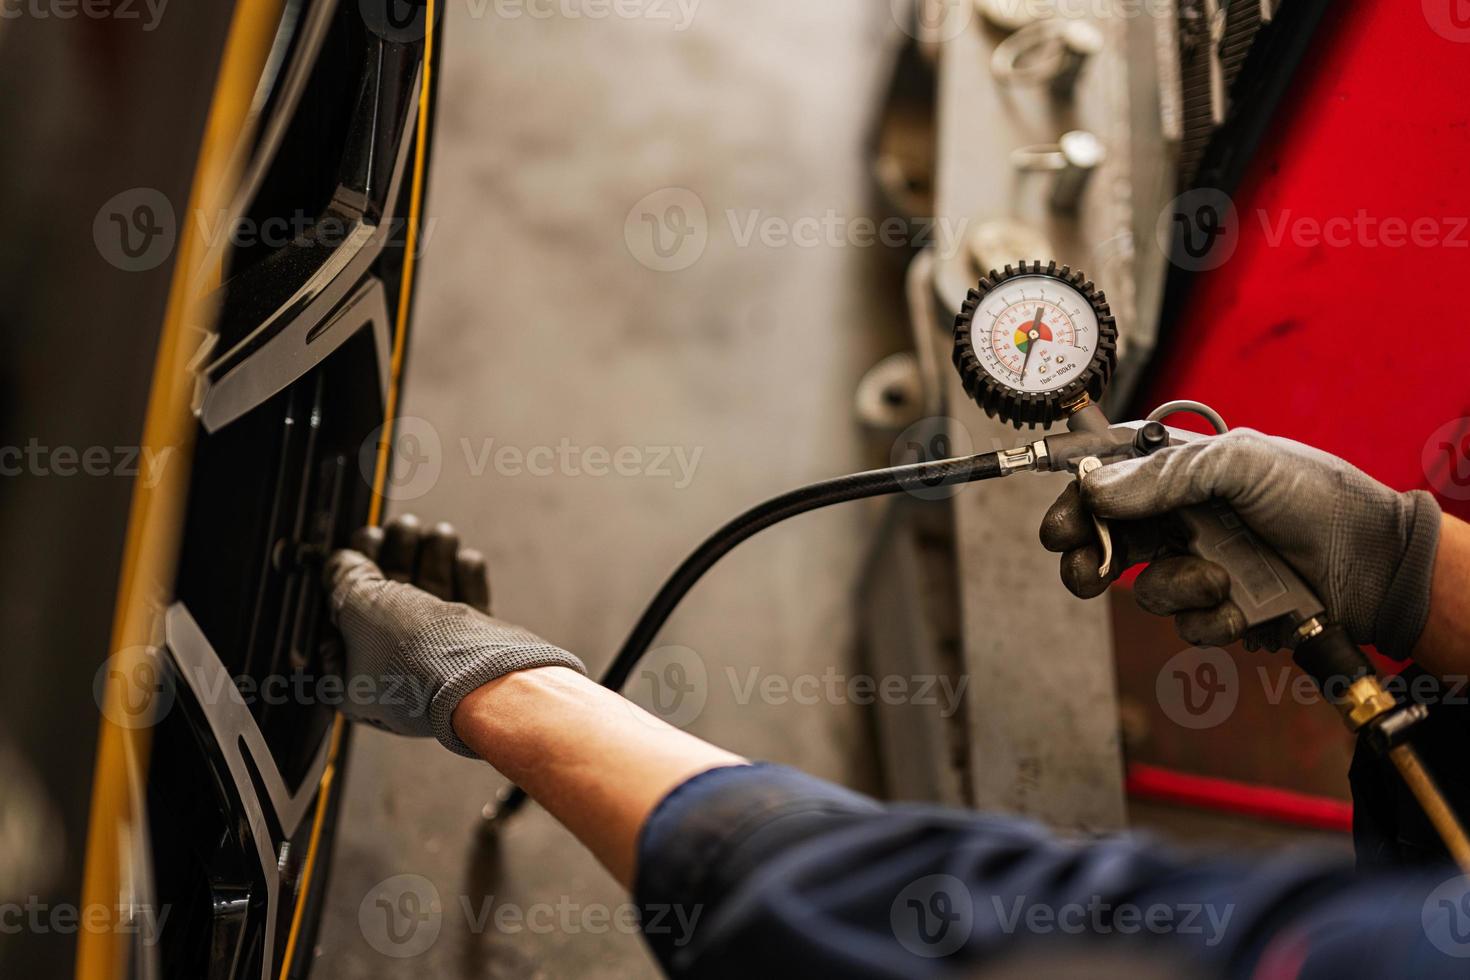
{"x": 1035, "y": 343}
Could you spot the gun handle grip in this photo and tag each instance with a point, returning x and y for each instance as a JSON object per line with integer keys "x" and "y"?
{"x": 1262, "y": 584}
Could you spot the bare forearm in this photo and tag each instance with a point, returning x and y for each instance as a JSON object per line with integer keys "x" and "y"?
{"x": 1444, "y": 646}
{"x": 596, "y": 761}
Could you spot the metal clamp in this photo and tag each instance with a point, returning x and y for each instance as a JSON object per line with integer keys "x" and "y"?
{"x": 1048, "y": 51}
{"x": 1012, "y": 15}
{"x": 1023, "y": 459}
{"x": 1074, "y": 158}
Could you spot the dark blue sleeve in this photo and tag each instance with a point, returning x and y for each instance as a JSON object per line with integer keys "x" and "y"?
{"x": 763, "y": 871}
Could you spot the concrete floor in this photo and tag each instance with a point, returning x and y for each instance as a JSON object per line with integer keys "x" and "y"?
{"x": 537, "y": 326}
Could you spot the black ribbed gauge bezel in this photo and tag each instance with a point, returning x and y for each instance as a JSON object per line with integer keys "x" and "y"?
{"x": 1019, "y": 408}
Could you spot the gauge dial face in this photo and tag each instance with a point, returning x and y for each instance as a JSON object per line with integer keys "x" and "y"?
{"x": 1035, "y": 334}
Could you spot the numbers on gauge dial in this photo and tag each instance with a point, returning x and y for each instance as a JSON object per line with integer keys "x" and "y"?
{"x": 1042, "y": 334}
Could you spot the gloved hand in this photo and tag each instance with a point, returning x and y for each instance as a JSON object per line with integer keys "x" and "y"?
{"x": 421, "y": 650}
{"x": 1366, "y": 550}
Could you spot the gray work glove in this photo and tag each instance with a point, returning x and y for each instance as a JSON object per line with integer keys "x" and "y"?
{"x": 412, "y": 655}
{"x": 1366, "y": 550}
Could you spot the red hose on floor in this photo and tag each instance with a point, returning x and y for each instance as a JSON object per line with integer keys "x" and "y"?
{"x": 1158, "y": 785}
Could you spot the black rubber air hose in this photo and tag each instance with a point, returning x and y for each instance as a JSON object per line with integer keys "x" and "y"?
{"x": 859, "y": 486}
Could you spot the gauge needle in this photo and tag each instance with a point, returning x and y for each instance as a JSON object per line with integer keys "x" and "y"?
{"x": 1032, "y": 337}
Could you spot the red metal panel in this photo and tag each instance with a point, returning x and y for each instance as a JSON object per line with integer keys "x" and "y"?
{"x": 1343, "y": 317}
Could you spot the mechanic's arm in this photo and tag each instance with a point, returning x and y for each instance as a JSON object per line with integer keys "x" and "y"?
{"x": 490, "y": 690}
{"x": 744, "y": 870}
{"x": 597, "y": 762}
